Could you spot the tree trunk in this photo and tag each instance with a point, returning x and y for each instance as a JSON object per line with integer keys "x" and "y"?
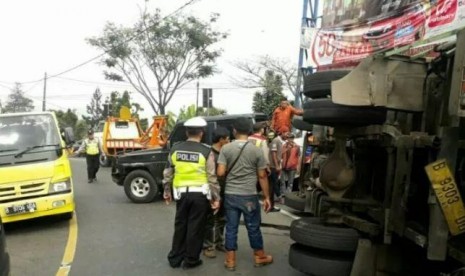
{"x": 161, "y": 109}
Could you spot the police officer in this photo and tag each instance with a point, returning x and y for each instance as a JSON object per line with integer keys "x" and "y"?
{"x": 190, "y": 173}
{"x": 93, "y": 148}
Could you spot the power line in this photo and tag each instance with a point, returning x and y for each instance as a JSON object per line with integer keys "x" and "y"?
{"x": 188, "y": 3}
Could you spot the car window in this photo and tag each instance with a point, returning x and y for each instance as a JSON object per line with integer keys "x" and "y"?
{"x": 179, "y": 134}
{"x": 228, "y": 124}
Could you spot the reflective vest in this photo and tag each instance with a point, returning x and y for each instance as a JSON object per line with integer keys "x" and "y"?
{"x": 92, "y": 147}
{"x": 189, "y": 160}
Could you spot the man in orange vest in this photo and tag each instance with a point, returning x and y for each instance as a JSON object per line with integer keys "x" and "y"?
{"x": 290, "y": 163}
{"x": 282, "y": 116}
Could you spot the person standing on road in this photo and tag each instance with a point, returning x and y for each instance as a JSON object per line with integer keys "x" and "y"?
{"x": 282, "y": 116}
{"x": 259, "y": 140}
{"x": 276, "y": 166}
{"x": 93, "y": 149}
{"x": 214, "y": 232}
{"x": 242, "y": 163}
{"x": 291, "y": 157}
{"x": 190, "y": 172}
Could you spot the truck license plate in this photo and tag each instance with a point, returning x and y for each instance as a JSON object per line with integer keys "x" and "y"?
{"x": 21, "y": 209}
{"x": 448, "y": 195}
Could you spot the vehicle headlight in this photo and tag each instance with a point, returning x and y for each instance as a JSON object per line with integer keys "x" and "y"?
{"x": 61, "y": 186}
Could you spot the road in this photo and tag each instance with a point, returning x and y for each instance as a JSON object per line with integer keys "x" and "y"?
{"x": 117, "y": 237}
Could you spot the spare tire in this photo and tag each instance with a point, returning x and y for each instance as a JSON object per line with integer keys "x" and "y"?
{"x": 319, "y": 263}
{"x": 299, "y": 123}
{"x": 312, "y": 232}
{"x": 325, "y": 112}
{"x": 318, "y": 84}
{"x": 292, "y": 200}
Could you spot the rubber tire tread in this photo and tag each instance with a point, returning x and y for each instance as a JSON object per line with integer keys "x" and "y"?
{"x": 314, "y": 262}
{"x": 325, "y": 112}
{"x": 318, "y": 84}
{"x": 293, "y": 201}
{"x": 153, "y": 186}
{"x": 299, "y": 123}
{"x": 312, "y": 232}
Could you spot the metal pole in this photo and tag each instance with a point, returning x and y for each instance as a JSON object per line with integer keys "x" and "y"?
{"x": 297, "y": 101}
{"x": 197, "y": 100}
{"x": 45, "y": 93}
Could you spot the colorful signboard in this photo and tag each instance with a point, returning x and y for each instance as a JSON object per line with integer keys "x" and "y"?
{"x": 354, "y": 29}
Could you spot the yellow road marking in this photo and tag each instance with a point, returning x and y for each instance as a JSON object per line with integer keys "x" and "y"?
{"x": 70, "y": 248}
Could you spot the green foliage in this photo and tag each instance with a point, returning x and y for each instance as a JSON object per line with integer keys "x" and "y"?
{"x": 117, "y": 101}
{"x": 81, "y": 129}
{"x": 94, "y": 109}
{"x": 186, "y": 113}
{"x": 17, "y": 102}
{"x": 268, "y": 99}
{"x": 166, "y": 53}
{"x": 66, "y": 119}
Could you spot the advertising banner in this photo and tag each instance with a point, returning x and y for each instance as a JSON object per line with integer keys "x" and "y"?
{"x": 354, "y": 29}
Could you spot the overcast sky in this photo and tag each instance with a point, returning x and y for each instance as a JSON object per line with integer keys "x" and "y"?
{"x": 49, "y": 36}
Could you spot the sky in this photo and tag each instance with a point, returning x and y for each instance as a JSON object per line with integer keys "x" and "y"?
{"x": 49, "y": 36}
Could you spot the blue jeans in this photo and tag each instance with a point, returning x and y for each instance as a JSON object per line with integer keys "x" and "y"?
{"x": 234, "y": 206}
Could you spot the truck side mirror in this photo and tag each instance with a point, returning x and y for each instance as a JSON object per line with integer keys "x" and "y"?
{"x": 69, "y": 135}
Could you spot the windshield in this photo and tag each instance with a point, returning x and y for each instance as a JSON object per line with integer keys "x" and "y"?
{"x": 18, "y": 133}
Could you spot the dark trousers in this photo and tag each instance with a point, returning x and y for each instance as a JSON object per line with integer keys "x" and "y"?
{"x": 235, "y": 206}
{"x": 275, "y": 185}
{"x": 214, "y": 228}
{"x": 189, "y": 228}
{"x": 93, "y": 164}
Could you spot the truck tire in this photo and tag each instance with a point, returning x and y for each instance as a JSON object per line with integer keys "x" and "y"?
{"x": 67, "y": 216}
{"x": 292, "y": 200}
{"x": 319, "y": 263}
{"x": 318, "y": 84}
{"x": 299, "y": 123}
{"x": 325, "y": 112}
{"x": 312, "y": 232}
{"x": 140, "y": 186}
{"x": 104, "y": 161}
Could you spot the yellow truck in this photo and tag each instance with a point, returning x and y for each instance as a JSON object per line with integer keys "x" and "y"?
{"x": 35, "y": 173}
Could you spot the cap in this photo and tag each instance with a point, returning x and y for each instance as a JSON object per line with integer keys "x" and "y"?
{"x": 90, "y": 131}
{"x": 271, "y": 134}
{"x": 195, "y": 122}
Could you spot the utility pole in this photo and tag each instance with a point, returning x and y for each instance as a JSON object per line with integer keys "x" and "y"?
{"x": 45, "y": 92}
{"x": 197, "y": 100}
{"x": 1, "y": 108}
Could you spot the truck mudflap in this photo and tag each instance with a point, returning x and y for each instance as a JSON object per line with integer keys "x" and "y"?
{"x": 448, "y": 195}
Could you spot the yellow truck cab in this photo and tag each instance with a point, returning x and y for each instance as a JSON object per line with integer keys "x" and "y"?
{"x": 35, "y": 173}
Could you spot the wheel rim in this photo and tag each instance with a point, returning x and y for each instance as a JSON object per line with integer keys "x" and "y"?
{"x": 140, "y": 187}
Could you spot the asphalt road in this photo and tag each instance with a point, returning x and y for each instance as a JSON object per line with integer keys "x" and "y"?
{"x": 117, "y": 237}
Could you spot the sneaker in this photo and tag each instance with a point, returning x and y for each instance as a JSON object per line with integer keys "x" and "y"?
{"x": 209, "y": 252}
{"x": 89, "y": 180}
{"x": 275, "y": 209}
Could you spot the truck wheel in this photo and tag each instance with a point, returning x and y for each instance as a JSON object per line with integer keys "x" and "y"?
{"x": 325, "y": 112}
{"x": 318, "y": 84}
{"x": 312, "y": 232}
{"x": 67, "y": 216}
{"x": 319, "y": 263}
{"x": 104, "y": 161}
{"x": 299, "y": 123}
{"x": 294, "y": 201}
{"x": 140, "y": 187}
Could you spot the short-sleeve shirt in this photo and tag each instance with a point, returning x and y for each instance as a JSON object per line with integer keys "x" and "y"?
{"x": 276, "y": 146}
{"x": 242, "y": 179}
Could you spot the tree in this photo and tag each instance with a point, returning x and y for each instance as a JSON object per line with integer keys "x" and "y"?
{"x": 268, "y": 99}
{"x": 94, "y": 109}
{"x": 117, "y": 101}
{"x": 186, "y": 113}
{"x": 255, "y": 72}
{"x": 17, "y": 102}
{"x": 66, "y": 119}
{"x": 166, "y": 53}
{"x": 81, "y": 129}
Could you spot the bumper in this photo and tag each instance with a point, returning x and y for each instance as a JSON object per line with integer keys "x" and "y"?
{"x": 45, "y": 207}
{"x": 116, "y": 177}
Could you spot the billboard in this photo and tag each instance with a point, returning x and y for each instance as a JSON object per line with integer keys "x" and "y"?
{"x": 354, "y": 29}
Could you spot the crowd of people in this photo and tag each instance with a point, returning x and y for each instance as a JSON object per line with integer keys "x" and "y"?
{"x": 214, "y": 186}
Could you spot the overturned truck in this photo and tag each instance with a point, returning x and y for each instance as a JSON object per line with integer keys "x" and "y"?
{"x": 384, "y": 187}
